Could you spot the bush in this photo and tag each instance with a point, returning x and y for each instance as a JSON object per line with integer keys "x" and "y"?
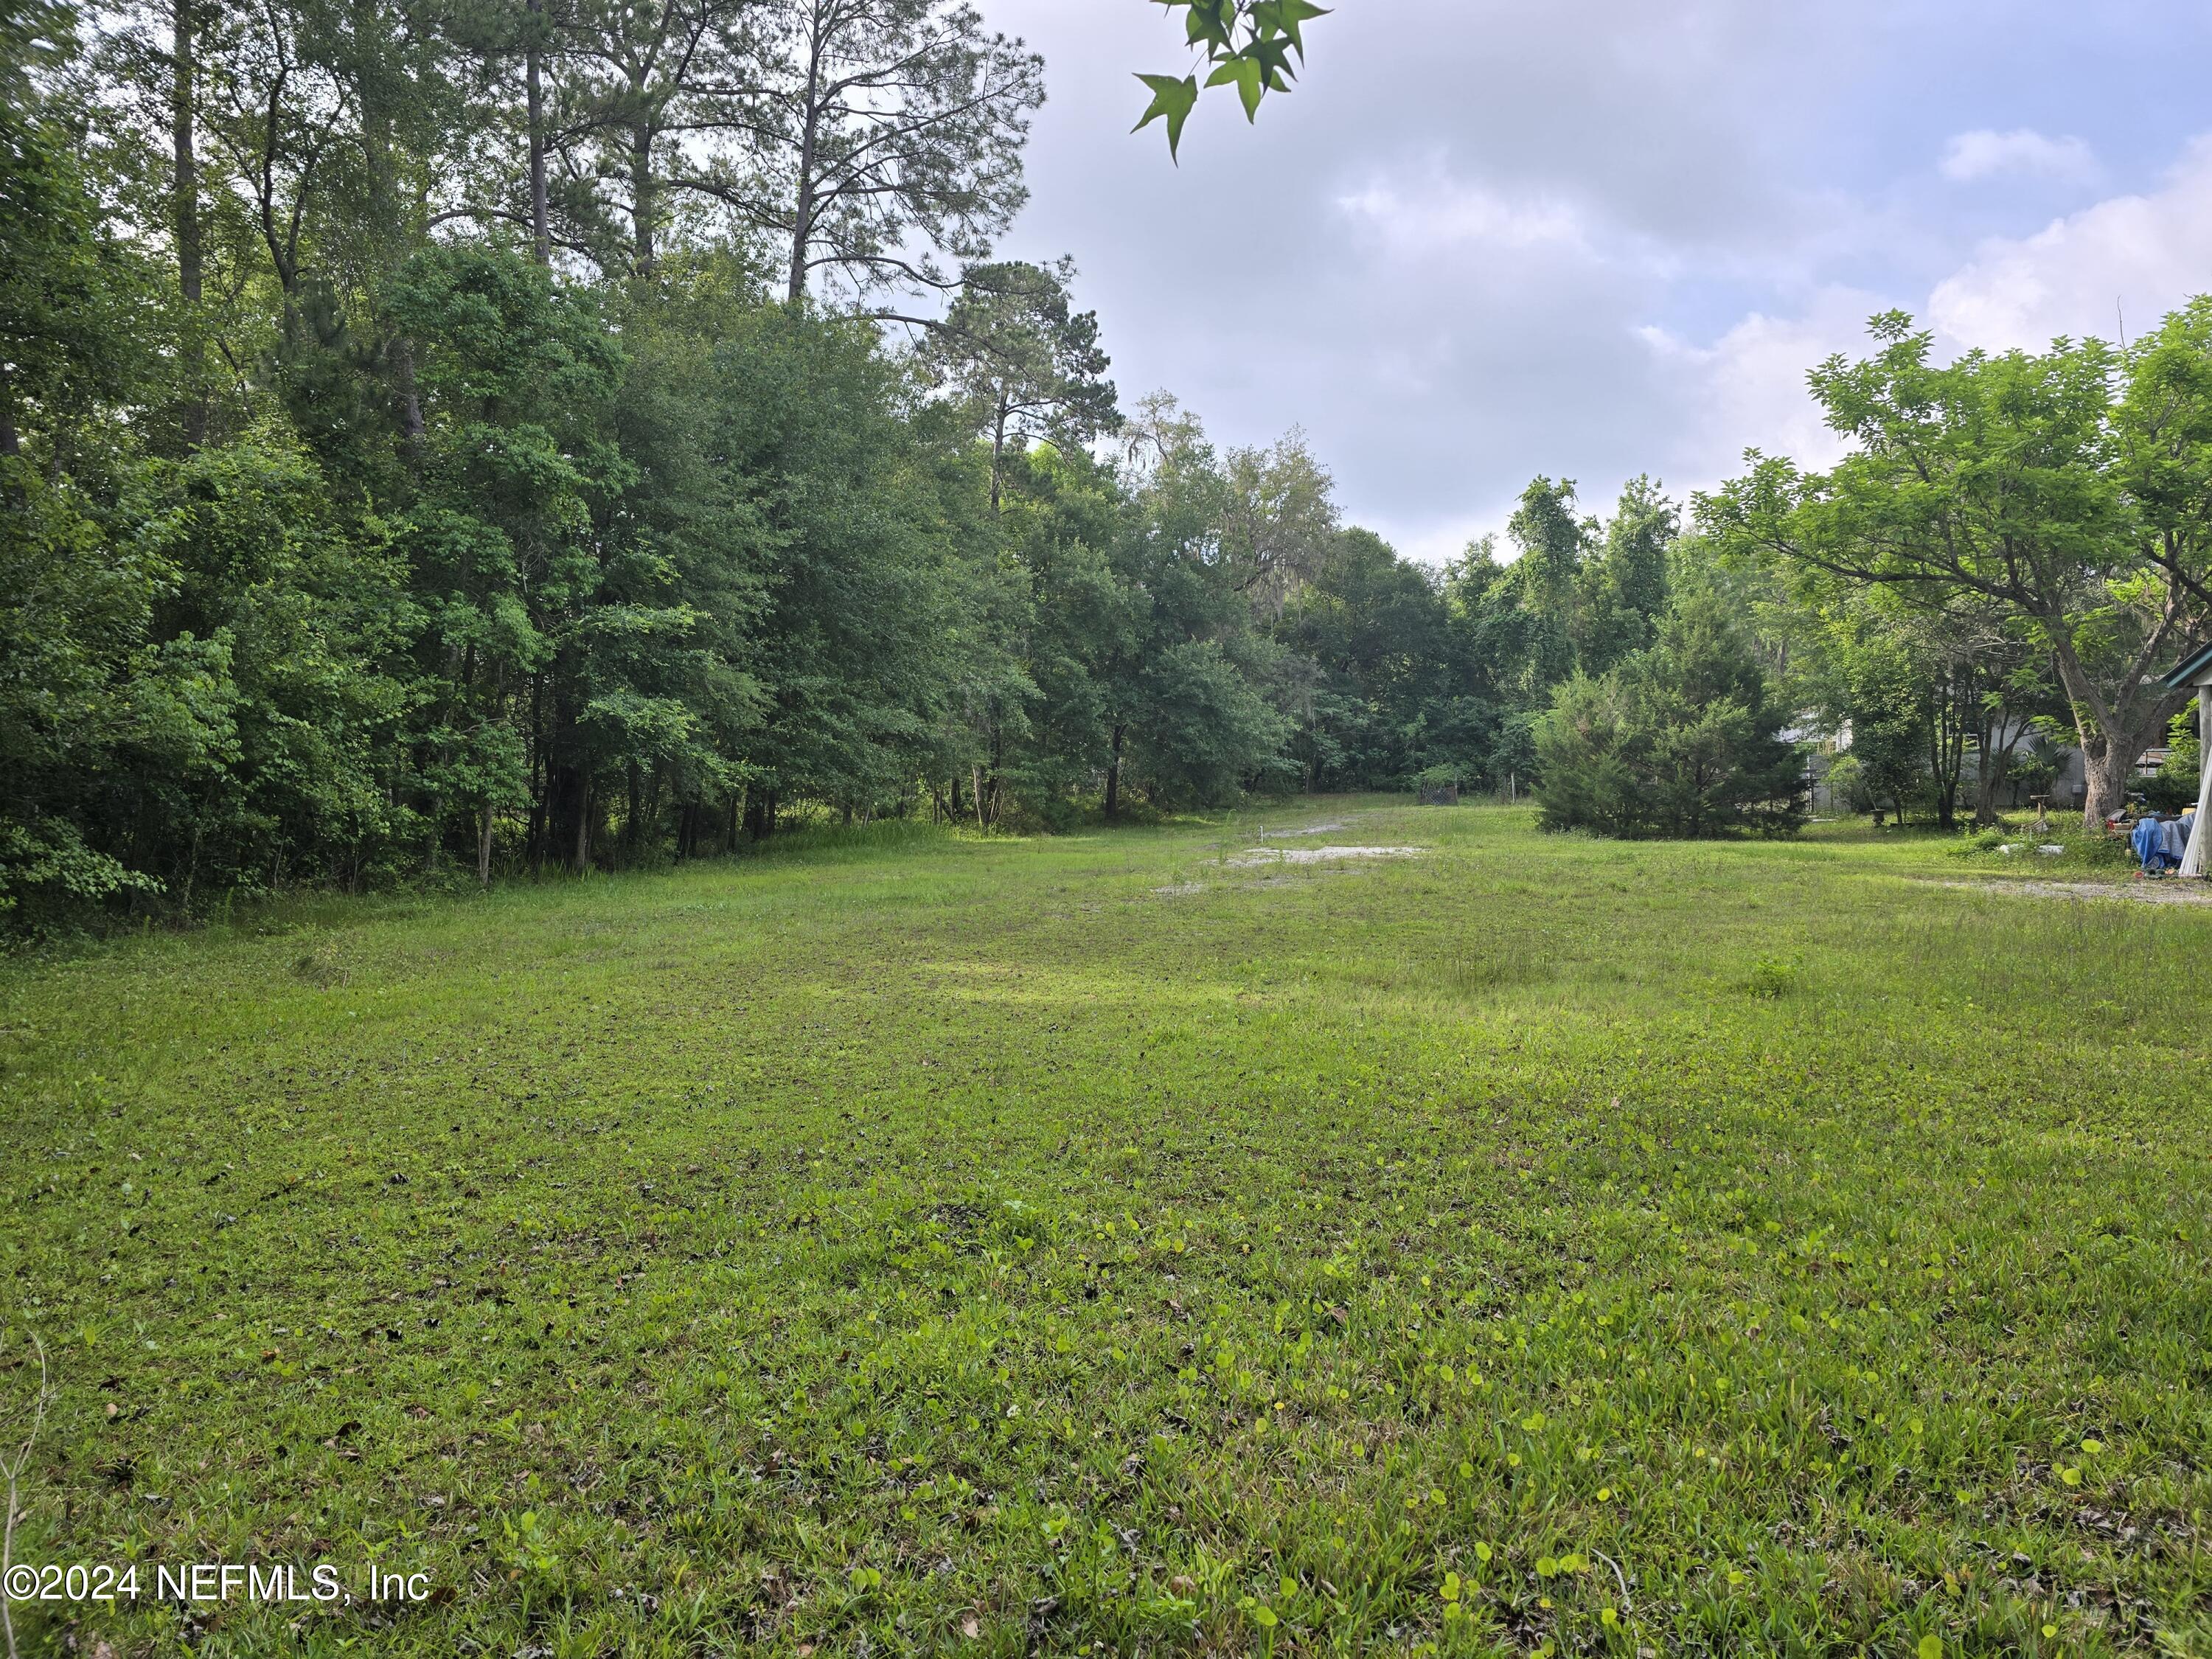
{"x": 1848, "y": 785}
{"x": 1682, "y": 740}
{"x": 2033, "y": 771}
{"x": 2168, "y": 790}
{"x": 2174, "y": 784}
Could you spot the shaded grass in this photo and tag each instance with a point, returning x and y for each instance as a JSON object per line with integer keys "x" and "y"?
{"x": 922, "y": 1244}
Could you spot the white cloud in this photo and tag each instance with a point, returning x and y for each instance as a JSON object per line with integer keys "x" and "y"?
{"x": 1983, "y": 154}
{"x": 1747, "y": 389}
{"x": 1440, "y": 212}
{"x": 2143, "y": 255}
{"x": 1482, "y": 242}
{"x": 2146, "y": 253}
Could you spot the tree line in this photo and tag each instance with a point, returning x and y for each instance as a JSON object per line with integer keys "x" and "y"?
{"x": 497, "y": 435}
{"x": 2014, "y": 550}
{"x": 479, "y": 436}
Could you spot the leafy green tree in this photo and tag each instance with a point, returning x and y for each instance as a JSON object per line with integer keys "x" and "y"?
{"x": 1187, "y": 709}
{"x": 1682, "y": 740}
{"x": 2065, "y": 487}
{"x": 1068, "y": 522}
{"x": 1376, "y": 629}
{"x": 85, "y": 697}
{"x": 1621, "y": 590}
{"x": 865, "y": 608}
{"x": 1542, "y": 582}
{"x": 75, "y": 305}
{"x": 1021, "y": 363}
{"x": 2179, "y": 777}
{"x": 517, "y": 381}
{"x": 1277, "y": 521}
{"x": 648, "y": 97}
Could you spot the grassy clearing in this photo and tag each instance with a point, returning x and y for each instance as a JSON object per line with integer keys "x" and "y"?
{"x": 915, "y": 1244}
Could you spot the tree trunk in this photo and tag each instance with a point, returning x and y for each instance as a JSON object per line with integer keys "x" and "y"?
{"x": 802, "y": 210}
{"x": 583, "y": 824}
{"x": 186, "y": 190}
{"x": 641, "y": 197}
{"x": 1993, "y": 762}
{"x": 541, "y": 776}
{"x": 998, "y": 450}
{"x": 541, "y": 233}
{"x": 1114, "y": 776}
{"x": 410, "y": 403}
{"x": 2107, "y": 764}
{"x": 2108, "y": 761}
{"x": 995, "y": 787}
{"x": 1989, "y": 776}
{"x": 2110, "y": 744}
{"x": 760, "y": 813}
{"x": 484, "y": 848}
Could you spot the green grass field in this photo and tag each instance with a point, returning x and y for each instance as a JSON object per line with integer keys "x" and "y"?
{"x": 908, "y": 1244}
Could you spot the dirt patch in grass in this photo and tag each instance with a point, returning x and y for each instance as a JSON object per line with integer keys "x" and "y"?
{"x": 2146, "y": 892}
{"x": 1317, "y": 854}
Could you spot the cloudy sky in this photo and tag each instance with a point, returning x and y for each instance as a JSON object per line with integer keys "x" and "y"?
{"x": 1487, "y": 238}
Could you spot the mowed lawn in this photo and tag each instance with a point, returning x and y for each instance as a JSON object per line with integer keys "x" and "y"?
{"x": 918, "y": 1245}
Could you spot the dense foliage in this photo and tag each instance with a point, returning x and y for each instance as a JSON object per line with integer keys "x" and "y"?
{"x": 539, "y": 436}
{"x": 536, "y": 436}
{"x": 2018, "y": 542}
{"x": 1683, "y": 738}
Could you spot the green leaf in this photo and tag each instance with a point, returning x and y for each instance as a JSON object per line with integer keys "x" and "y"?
{"x": 1285, "y": 18}
{"x": 1274, "y": 58}
{"x": 1245, "y": 72}
{"x": 1172, "y": 99}
{"x": 1297, "y": 12}
{"x": 1210, "y": 24}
